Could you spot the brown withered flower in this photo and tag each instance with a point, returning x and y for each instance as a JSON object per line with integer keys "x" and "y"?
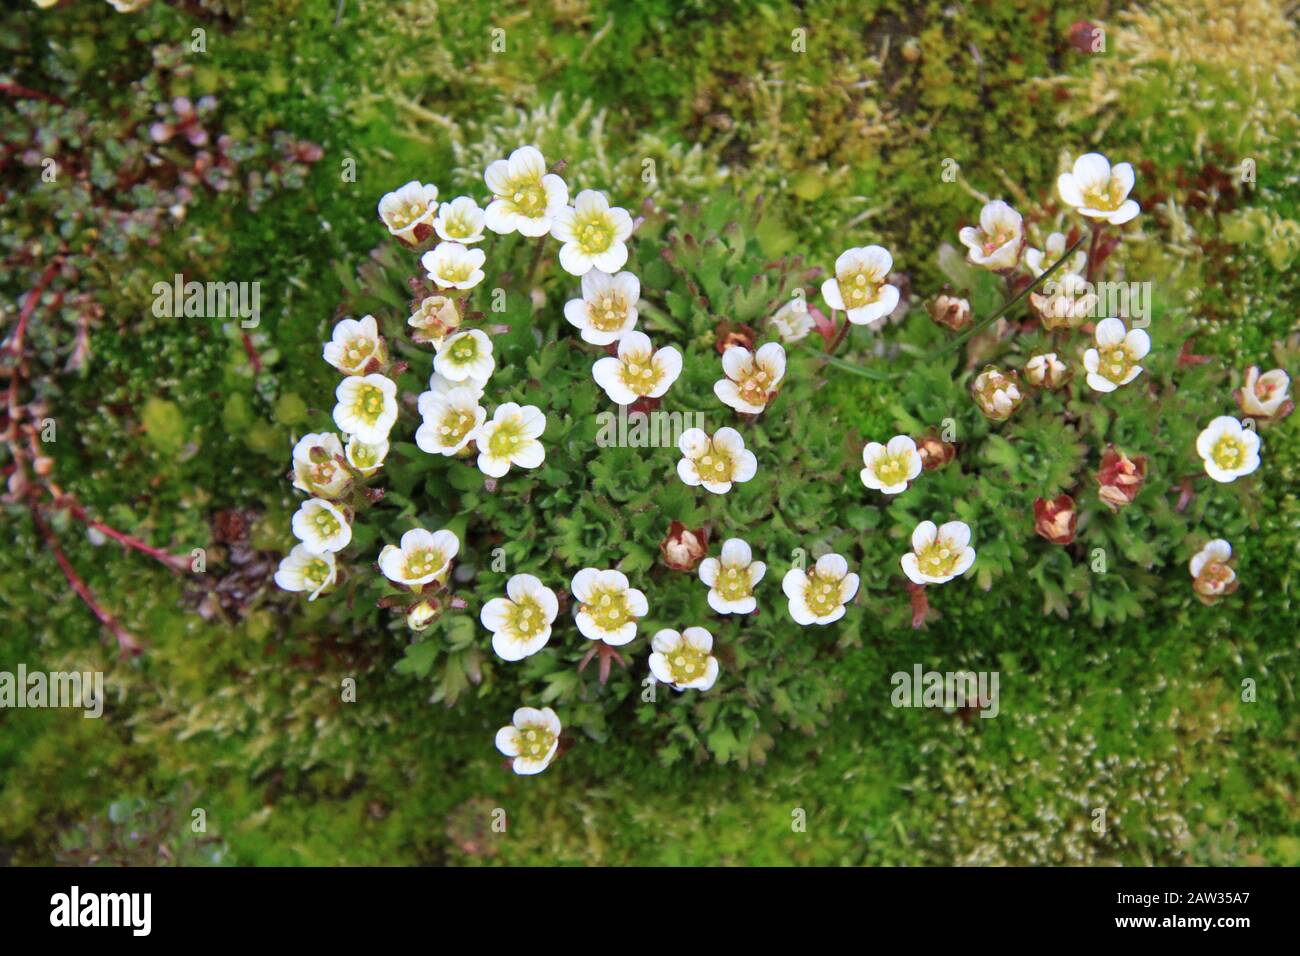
{"x": 934, "y": 451}
{"x": 1056, "y": 520}
{"x": 683, "y": 549}
{"x": 951, "y": 312}
{"x": 1120, "y": 478}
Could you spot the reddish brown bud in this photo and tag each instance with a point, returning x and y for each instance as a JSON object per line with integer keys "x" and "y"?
{"x": 1056, "y": 520}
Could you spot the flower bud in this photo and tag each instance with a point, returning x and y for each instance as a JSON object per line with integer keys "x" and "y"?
{"x": 997, "y": 393}
{"x": 1120, "y": 478}
{"x": 1264, "y": 397}
{"x": 951, "y": 312}
{"x": 934, "y": 451}
{"x": 1045, "y": 370}
{"x": 683, "y": 549}
{"x": 1212, "y": 573}
{"x": 421, "y": 615}
{"x": 1056, "y": 520}
{"x": 434, "y": 318}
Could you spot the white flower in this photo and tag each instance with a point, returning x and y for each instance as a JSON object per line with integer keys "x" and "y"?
{"x": 639, "y": 371}
{"x": 752, "y": 379}
{"x": 1045, "y": 370}
{"x": 452, "y": 266}
{"x": 354, "y": 344}
{"x": 1217, "y": 551}
{"x": 367, "y": 407}
{"x": 938, "y": 554}
{"x": 594, "y": 234}
{"x": 684, "y": 660}
{"x": 465, "y": 355}
{"x": 408, "y": 207}
{"x": 819, "y": 597}
{"x": 608, "y": 608}
{"x": 366, "y": 457}
{"x": 1228, "y": 450}
{"x": 449, "y": 421}
{"x": 995, "y": 245}
{"x": 460, "y": 221}
{"x": 527, "y": 197}
{"x": 1212, "y": 576}
{"x": 316, "y": 466}
{"x": 121, "y": 6}
{"x": 793, "y": 321}
{"x": 890, "y": 467}
{"x": 521, "y": 622}
{"x": 1114, "y": 362}
{"x": 1039, "y": 261}
{"x": 732, "y": 578}
{"x": 434, "y": 318}
{"x": 441, "y": 385}
{"x": 1097, "y": 190}
{"x": 607, "y": 309}
{"x": 1262, "y": 396}
{"x": 1064, "y": 301}
{"x": 322, "y": 526}
{"x": 511, "y": 439}
{"x": 532, "y": 739}
{"x": 421, "y": 557}
{"x": 715, "y": 462}
{"x": 304, "y": 570}
{"x": 860, "y": 286}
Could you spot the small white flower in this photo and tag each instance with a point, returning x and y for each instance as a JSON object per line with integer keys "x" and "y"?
{"x": 1228, "y": 450}
{"x": 860, "y": 286}
{"x": 1212, "y": 576}
{"x": 316, "y": 466}
{"x": 996, "y": 393}
{"x": 1097, "y": 190}
{"x": 752, "y": 379}
{"x": 1039, "y": 261}
{"x": 715, "y": 462}
{"x": 607, "y": 310}
{"x": 594, "y": 234}
{"x": 890, "y": 467}
{"x": 531, "y": 739}
{"x": 684, "y": 660}
{"x": 305, "y": 570}
{"x": 121, "y": 6}
{"x": 1114, "y": 362}
{"x": 460, "y": 220}
{"x": 322, "y": 526}
{"x": 434, "y": 318}
{"x": 366, "y": 457}
{"x": 408, "y": 207}
{"x": 441, "y": 385}
{"x": 521, "y": 622}
{"x": 526, "y": 197}
{"x": 453, "y": 266}
{"x": 421, "y": 557}
{"x": 1263, "y": 396}
{"x": 1045, "y": 370}
{"x": 639, "y": 371}
{"x": 449, "y": 421}
{"x": 732, "y": 578}
{"x": 608, "y": 607}
{"x": 819, "y": 596}
{"x": 793, "y": 321}
{"x": 464, "y": 356}
{"x": 510, "y": 438}
{"x": 938, "y": 554}
{"x": 353, "y": 344}
{"x": 367, "y": 407}
{"x": 1217, "y": 551}
{"x": 995, "y": 245}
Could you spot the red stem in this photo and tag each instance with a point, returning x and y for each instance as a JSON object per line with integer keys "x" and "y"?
{"x": 844, "y": 330}
{"x": 176, "y": 562}
{"x": 25, "y": 93}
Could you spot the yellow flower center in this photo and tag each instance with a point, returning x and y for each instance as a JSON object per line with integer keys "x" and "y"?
{"x": 527, "y": 618}
{"x": 714, "y": 465}
{"x": 403, "y": 214}
{"x": 639, "y": 374}
{"x": 455, "y": 424}
{"x": 535, "y": 741}
{"x": 528, "y": 196}
{"x": 326, "y": 524}
{"x": 506, "y": 439}
{"x": 687, "y": 663}
{"x": 893, "y": 470}
{"x": 459, "y": 271}
{"x": 859, "y": 288}
{"x": 754, "y": 384}
{"x": 822, "y": 595}
{"x": 358, "y": 350}
{"x": 315, "y": 573}
{"x": 594, "y": 235}
{"x": 364, "y": 456}
{"x": 1115, "y": 363}
{"x": 424, "y": 561}
{"x": 1228, "y": 452}
{"x": 939, "y": 559}
{"x": 607, "y": 312}
{"x": 733, "y": 584}
{"x": 609, "y": 609}
{"x": 369, "y": 402}
{"x": 1108, "y": 197}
